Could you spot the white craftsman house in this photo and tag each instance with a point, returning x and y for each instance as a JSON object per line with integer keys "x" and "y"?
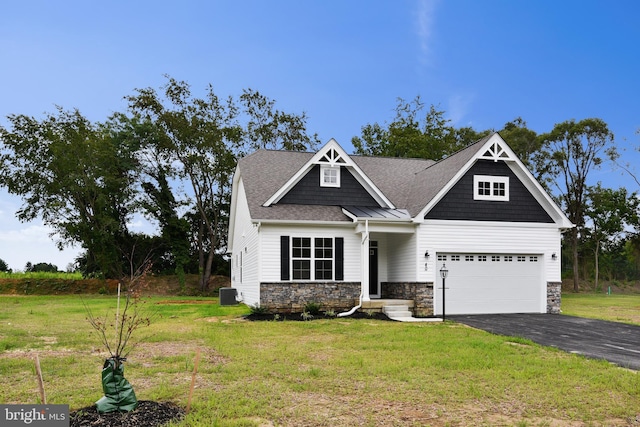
{"x": 345, "y": 231}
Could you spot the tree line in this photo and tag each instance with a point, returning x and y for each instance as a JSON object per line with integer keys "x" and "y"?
{"x": 171, "y": 155}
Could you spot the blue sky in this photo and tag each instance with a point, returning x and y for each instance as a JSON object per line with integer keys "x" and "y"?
{"x": 343, "y": 62}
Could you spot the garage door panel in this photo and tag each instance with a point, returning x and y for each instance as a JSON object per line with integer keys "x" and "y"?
{"x": 475, "y": 286}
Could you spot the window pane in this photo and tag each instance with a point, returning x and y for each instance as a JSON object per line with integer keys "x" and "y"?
{"x": 301, "y": 247}
{"x": 324, "y": 270}
{"x": 330, "y": 176}
{"x": 302, "y": 269}
{"x": 324, "y": 248}
{"x": 484, "y": 188}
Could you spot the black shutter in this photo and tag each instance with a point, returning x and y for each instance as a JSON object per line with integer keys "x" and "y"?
{"x": 339, "y": 258}
{"x": 284, "y": 258}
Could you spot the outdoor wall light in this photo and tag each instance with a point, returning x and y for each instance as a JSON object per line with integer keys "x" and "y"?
{"x": 426, "y": 254}
{"x": 554, "y": 256}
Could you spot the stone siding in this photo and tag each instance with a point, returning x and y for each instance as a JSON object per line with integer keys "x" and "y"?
{"x": 287, "y": 297}
{"x": 420, "y": 292}
{"x": 554, "y": 296}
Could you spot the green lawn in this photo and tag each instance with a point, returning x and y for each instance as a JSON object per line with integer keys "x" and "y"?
{"x": 618, "y": 308}
{"x": 338, "y": 372}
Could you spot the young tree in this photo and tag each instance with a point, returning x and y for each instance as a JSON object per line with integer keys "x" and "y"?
{"x": 570, "y": 152}
{"x": 609, "y": 212}
{"x": 4, "y": 266}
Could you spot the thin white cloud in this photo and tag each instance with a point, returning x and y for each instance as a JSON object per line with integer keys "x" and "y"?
{"x": 29, "y": 234}
{"x": 32, "y": 243}
{"x": 458, "y": 106}
{"x": 425, "y": 17}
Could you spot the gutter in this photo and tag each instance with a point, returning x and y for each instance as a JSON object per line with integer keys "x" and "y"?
{"x": 365, "y": 239}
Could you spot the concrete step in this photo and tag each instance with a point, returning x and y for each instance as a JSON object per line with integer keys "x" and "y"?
{"x": 397, "y": 311}
{"x": 401, "y": 313}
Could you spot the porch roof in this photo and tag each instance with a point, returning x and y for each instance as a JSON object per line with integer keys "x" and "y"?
{"x": 377, "y": 213}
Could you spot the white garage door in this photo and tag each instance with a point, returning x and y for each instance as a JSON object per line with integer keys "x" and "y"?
{"x": 490, "y": 283}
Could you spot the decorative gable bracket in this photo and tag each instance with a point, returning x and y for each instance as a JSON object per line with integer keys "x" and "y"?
{"x": 496, "y": 151}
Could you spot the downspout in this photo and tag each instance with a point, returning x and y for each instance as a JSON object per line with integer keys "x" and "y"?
{"x": 365, "y": 239}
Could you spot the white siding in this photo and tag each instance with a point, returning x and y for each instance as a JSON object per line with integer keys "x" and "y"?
{"x": 245, "y": 277}
{"x": 499, "y": 290}
{"x": 490, "y": 237}
{"x": 270, "y": 248}
{"x": 403, "y": 258}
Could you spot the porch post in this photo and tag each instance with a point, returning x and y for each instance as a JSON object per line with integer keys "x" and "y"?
{"x": 364, "y": 263}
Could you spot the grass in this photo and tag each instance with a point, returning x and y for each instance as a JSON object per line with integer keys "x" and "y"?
{"x": 617, "y": 308}
{"x": 318, "y": 373}
{"x": 40, "y": 275}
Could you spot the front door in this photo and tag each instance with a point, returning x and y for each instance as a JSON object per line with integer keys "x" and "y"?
{"x": 374, "y": 285}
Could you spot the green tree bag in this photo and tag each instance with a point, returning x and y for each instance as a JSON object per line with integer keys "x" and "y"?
{"x": 118, "y": 393}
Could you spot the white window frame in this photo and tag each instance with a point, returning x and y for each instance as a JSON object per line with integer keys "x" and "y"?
{"x": 493, "y": 181}
{"x": 313, "y": 257}
{"x": 329, "y": 176}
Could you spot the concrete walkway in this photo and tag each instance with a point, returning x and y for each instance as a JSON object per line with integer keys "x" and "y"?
{"x": 617, "y": 343}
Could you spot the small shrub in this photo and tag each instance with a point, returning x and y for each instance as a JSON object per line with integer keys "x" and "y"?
{"x": 312, "y": 308}
{"x": 306, "y": 315}
{"x": 259, "y": 309}
{"x": 330, "y": 313}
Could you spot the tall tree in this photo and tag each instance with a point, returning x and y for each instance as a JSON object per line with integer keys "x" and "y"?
{"x": 524, "y": 142}
{"x": 412, "y": 134}
{"x": 77, "y": 177}
{"x": 571, "y": 151}
{"x": 200, "y": 140}
{"x": 609, "y": 213}
{"x": 268, "y": 127}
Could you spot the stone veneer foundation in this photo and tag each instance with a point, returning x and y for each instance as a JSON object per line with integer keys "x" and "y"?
{"x": 420, "y": 292}
{"x": 554, "y": 297}
{"x": 288, "y": 297}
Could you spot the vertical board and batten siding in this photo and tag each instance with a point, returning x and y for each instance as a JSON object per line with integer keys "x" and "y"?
{"x": 459, "y": 204}
{"x": 309, "y": 192}
{"x": 246, "y": 240}
{"x": 402, "y": 258}
{"x": 270, "y": 248}
{"x": 466, "y": 237}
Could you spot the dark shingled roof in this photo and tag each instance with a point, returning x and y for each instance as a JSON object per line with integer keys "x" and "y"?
{"x": 408, "y": 183}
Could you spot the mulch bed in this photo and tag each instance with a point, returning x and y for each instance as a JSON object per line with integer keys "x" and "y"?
{"x": 147, "y": 414}
{"x": 302, "y": 318}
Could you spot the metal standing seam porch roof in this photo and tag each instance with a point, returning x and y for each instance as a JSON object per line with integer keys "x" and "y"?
{"x": 374, "y": 212}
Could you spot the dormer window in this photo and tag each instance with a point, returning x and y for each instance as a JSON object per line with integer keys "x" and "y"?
{"x": 329, "y": 176}
{"x": 494, "y": 188}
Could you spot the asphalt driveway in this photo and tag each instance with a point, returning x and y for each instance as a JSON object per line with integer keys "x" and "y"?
{"x": 617, "y": 343}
